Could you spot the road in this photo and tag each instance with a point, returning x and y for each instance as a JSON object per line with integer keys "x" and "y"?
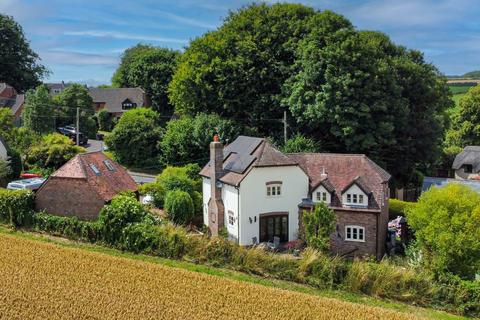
{"x": 140, "y": 178}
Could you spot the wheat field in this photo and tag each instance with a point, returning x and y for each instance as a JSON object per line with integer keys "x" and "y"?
{"x": 40, "y": 280}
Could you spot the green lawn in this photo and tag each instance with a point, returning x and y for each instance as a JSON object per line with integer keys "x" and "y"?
{"x": 459, "y": 89}
{"x": 346, "y": 296}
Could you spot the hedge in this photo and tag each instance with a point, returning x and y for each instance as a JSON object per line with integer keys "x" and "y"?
{"x": 16, "y": 207}
{"x": 398, "y": 208}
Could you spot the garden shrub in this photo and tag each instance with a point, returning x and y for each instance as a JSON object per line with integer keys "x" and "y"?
{"x": 398, "y": 208}
{"x": 179, "y": 207}
{"x": 172, "y": 241}
{"x": 115, "y": 216}
{"x": 156, "y": 191}
{"x": 461, "y": 296}
{"x": 321, "y": 270}
{"x": 386, "y": 280}
{"x": 140, "y": 237}
{"x": 218, "y": 251}
{"x": 16, "y": 206}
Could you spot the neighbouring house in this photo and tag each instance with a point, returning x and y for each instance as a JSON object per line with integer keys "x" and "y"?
{"x": 56, "y": 88}
{"x": 83, "y": 186}
{"x": 467, "y": 164}
{"x": 257, "y": 193}
{"x": 118, "y": 100}
{"x": 10, "y": 98}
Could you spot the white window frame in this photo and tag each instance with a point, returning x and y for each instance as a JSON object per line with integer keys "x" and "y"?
{"x": 354, "y": 229}
{"x": 274, "y": 190}
{"x": 321, "y": 196}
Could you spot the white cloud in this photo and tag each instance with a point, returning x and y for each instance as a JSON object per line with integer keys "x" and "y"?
{"x": 77, "y": 58}
{"x": 125, "y": 36}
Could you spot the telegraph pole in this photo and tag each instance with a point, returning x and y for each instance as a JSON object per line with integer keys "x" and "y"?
{"x": 285, "y": 126}
{"x": 77, "y": 128}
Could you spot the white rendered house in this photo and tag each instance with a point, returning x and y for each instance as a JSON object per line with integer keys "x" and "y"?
{"x": 256, "y": 192}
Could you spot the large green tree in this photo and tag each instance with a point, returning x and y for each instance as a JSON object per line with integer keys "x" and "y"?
{"x": 150, "y": 68}
{"x": 238, "y": 71}
{"x": 73, "y": 97}
{"x": 358, "y": 92}
{"x": 19, "y": 64}
{"x": 353, "y": 91}
{"x": 39, "y": 111}
{"x": 466, "y": 123}
{"x": 134, "y": 140}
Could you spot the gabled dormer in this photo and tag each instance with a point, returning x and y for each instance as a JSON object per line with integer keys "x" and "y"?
{"x": 356, "y": 194}
{"x": 323, "y": 192}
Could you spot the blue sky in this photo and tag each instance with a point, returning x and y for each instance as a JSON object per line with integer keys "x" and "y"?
{"x": 82, "y": 40}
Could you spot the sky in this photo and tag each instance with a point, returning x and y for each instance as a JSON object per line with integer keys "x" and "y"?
{"x": 82, "y": 40}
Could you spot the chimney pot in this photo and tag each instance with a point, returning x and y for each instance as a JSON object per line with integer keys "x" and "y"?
{"x": 216, "y": 138}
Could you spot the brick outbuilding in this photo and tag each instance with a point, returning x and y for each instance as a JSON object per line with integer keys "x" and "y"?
{"x": 83, "y": 186}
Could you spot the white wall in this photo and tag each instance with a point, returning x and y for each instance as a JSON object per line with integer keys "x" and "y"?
{"x": 206, "y": 197}
{"x": 321, "y": 188}
{"x": 230, "y": 202}
{"x": 354, "y": 189}
{"x": 254, "y": 201}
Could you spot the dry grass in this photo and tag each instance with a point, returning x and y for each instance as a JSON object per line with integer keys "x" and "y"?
{"x": 45, "y": 281}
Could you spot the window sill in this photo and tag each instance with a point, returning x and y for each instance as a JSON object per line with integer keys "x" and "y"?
{"x": 352, "y": 240}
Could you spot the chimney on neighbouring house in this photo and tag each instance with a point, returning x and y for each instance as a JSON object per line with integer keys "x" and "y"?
{"x": 216, "y": 210}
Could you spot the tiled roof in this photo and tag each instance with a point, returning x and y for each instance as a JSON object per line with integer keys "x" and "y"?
{"x": 106, "y": 182}
{"x": 343, "y": 170}
{"x": 469, "y": 156}
{"x": 245, "y": 153}
{"x": 114, "y": 97}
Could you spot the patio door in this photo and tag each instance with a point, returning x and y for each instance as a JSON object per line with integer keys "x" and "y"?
{"x": 274, "y": 225}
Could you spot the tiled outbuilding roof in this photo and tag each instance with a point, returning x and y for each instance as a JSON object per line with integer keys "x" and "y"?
{"x": 106, "y": 177}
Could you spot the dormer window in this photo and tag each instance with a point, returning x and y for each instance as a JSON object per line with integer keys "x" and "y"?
{"x": 127, "y": 104}
{"x": 274, "y": 188}
{"x": 321, "y": 196}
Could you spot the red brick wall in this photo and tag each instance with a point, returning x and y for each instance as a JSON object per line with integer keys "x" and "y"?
{"x": 368, "y": 220}
{"x": 69, "y": 197}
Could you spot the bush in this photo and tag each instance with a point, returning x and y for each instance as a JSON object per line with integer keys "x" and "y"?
{"x": 320, "y": 270}
{"x": 115, "y": 216}
{"x": 16, "y": 207}
{"x": 105, "y": 120}
{"x": 53, "y": 151}
{"x": 386, "y": 280}
{"x": 140, "y": 237}
{"x": 399, "y": 208}
{"x": 179, "y": 207}
{"x": 156, "y": 191}
{"x": 445, "y": 222}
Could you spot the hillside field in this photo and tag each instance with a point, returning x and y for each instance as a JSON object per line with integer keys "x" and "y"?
{"x": 41, "y": 280}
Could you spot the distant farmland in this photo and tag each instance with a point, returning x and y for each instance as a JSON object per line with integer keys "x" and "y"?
{"x": 45, "y": 281}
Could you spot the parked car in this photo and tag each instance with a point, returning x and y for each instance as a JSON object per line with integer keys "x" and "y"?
{"x": 27, "y": 184}
{"x": 71, "y": 132}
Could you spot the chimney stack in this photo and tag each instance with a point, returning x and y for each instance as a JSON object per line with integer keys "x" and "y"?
{"x": 324, "y": 174}
{"x": 216, "y": 210}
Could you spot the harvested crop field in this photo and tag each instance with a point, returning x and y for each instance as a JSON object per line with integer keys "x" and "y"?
{"x": 45, "y": 281}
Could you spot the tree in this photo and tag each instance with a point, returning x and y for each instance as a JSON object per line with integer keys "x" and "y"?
{"x": 445, "y": 222}
{"x": 187, "y": 139}
{"x": 299, "y": 143}
{"x": 466, "y": 123}
{"x": 238, "y": 70}
{"x": 318, "y": 224}
{"x": 150, "y": 68}
{"x": 179, "y": 207}
{"x": 135, "y": 138}
{"x": 73, "y": 97}
{"x": 19, "y": 66}
{"x": 105, "y": 120}
{"x": 39, "y": 111}
{"x": 52, "y": 151}
{"x": 357, "y": 92}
